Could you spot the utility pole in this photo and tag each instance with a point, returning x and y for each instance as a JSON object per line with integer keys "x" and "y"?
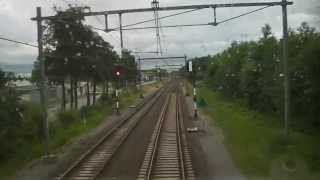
{"x": 286, "y": 69}
{"x": 43, "y": 83}
{"x": 121, "y": 37}
{"x": 118, "y": 73}
{"x": 140, "y": 78}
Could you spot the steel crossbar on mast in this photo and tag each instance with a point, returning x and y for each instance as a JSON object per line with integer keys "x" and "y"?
{"x": 172, "y": 8}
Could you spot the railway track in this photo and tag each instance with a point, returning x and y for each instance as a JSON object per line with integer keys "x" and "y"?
{"x": 168, "y": 155}
{"x": 90, "y": 164}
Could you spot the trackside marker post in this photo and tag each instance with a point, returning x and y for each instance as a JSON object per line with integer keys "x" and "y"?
{"x": 117, "y": 103}
{"x": 195, "y": 102}
{"x": 117, "y": 94}
{"x": 194, "y": 90}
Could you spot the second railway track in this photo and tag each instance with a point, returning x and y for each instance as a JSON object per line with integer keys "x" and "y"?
{"x": 90, "y": 164}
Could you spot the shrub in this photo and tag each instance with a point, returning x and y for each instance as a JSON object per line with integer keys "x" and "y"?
{"x": 66, "y": 118}
{"x": 32, "y": 122}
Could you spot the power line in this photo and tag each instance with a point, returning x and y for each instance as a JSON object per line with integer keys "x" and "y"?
{"x": 150, "y": 20}
{"x": 99, "y": 21}
{"x": 18, "y": 42}
{"x": 163, "y": 37}
{"x": 116, "y": 41}
{"x": 235, "y": 17}
{"x": 168, "y": 26}
{"x": 200, "y": 24}
{"x": 113, "y": 37}
{"x": 116, "y": 38}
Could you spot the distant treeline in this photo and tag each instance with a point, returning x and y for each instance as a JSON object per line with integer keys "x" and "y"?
{"x": 253, "y": 72}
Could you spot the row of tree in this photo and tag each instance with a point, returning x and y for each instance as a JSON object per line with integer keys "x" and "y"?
{"x": 253, "y": 71}
{"x": 75, "y": 53}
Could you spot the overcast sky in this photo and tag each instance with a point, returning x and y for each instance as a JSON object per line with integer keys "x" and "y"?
{"x": 191, "y": 41}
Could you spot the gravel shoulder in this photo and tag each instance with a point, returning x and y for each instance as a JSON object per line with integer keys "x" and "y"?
{"x": 210, "y": 157}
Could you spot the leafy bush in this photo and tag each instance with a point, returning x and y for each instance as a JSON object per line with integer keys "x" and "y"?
{"x": 66, "y": 118}
{"x": 106, "y": 99}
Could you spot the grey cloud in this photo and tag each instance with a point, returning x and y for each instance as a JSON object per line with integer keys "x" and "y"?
{"x": 196, "y": 41}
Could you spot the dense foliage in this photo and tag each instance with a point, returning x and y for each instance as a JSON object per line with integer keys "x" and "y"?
{"x": 20, "y": 123}
{"x": 75, "y": 53}
{"x": 252, "y": 71}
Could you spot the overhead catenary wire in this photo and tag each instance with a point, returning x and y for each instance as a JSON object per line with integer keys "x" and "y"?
{"x": 199, "y": 24}
{"x": 169, "y": 26}
{"x": 157, "y": 22}
{"x": 247, "y": 13}
{"x": 151, "y": 20}
{"x": 163, "y": 37}
{"x": 115, "y": 38}
{"x": 92, "y": 27}
{"x": 18, "y": 42}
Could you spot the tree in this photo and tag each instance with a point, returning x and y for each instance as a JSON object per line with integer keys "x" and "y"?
{"x": 3, "y": 79}
{"x": 266, "y": 31}
{"x": 253, "y": 72}
{"x": 75, "y": 53}
{"x": 130, "y": 66}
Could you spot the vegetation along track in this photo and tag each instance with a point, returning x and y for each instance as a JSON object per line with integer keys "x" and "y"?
{"x": 168, "y": 155}
{"x": 90, "y": 164}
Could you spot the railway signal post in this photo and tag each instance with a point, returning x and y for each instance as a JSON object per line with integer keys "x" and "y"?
{"x": 140, "y": 78}
{"x": 193, "y": 74}
{"x": 117, "y": 93}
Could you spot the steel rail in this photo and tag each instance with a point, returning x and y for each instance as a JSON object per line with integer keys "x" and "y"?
{"x": 155, "y": 145}
{"x": 179, "y": 139}
{"x": 92, "y": 150}
{"x": 167, "y": 154}
{"x": 187, "y": 162}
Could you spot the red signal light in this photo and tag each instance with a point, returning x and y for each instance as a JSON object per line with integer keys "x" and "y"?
{"x": 118, "y": 71}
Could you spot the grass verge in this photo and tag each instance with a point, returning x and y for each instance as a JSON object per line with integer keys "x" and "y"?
{"x": 62, "y": 131}
{"x": 256, "y": 143}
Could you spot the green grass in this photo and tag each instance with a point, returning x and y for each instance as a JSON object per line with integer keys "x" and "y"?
{"x": 61, "y": 135}
{"x": 255, "y": 140}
